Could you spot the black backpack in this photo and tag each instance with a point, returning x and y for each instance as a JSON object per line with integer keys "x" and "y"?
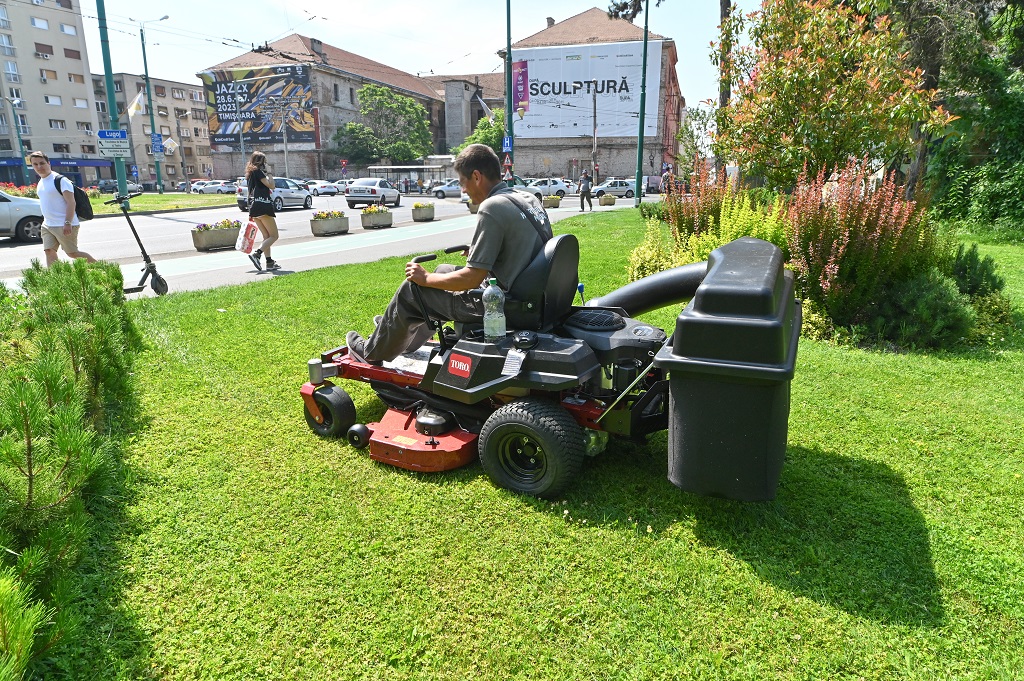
{"x": 83, "y": 208}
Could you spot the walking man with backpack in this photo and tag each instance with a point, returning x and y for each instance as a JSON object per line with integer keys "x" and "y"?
{"x": 60, "y": 223}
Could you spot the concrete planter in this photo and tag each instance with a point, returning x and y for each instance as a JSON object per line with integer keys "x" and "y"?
{"x": 552, "y": 201}
{"x": 473, "y": 207}
{"x": 376, "y": 220}
{"x": 606, "y": 200}
{"x": 329, "y": 227}
{"x": 423, "y": 214}
{"x": 214, "y": 239}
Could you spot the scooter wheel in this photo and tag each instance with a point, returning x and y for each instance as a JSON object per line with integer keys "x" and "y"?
{"x": 358, "y": 436}
{"x": 532, "y": 446}
{"x": 158, "y": 284}
{"x": 336, "y": 407}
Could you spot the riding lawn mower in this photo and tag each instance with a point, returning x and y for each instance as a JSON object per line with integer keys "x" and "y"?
{"x": 567, "y": 380}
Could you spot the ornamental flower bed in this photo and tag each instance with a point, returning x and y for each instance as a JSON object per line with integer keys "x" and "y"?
{"x": 423, "y": 211}
{"x": 375, "y": 216}
{"x": 215, "y": 235}
{"x": 328, "y": 223}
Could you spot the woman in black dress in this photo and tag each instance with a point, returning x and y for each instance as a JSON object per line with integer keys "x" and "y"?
{"x": 261, "y": 207}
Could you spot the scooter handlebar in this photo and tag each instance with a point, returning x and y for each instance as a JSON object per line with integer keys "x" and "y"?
{"x": 456, "y": 249}
{"x": 425, "y": 258}
{"x": 118, "y": 198}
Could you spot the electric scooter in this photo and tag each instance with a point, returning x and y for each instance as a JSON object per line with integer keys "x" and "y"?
{"x": 158, "y": 283}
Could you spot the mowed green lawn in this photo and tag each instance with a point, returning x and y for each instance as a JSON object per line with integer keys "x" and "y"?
{"x": 245, "y": 547}
{"x": 152, "y": 201}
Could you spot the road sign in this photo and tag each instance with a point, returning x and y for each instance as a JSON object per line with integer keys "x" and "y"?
{"x": 158, "y": 156}
{"x": 506, "y": 144}
{"x": 114, "y": 153}
{"x": 135, "y": 171}
{"x": 112, "y": 135}
{"x": 507, "y": 175}
{"x": 508, "y": 161}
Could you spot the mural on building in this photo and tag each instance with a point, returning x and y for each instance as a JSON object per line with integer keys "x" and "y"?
{"x": 562, "y": 83}
{"x": 255, "y": 102}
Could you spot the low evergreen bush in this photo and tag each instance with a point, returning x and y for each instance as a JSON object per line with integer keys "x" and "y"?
{"x": 974, "y": 275}
{"x": 925, "y": 311}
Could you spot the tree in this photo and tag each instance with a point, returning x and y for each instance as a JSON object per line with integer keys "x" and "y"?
{"x": 820, "y": 85}
{"x": 488, "y": 131}
{"x": 395, "y": 127}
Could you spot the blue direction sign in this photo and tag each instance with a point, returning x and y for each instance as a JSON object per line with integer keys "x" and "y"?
{"x": 506, "y": 144}
{"x": 112, "y": 134}
{"x": 157, "y": 141}
{"x": 135, "y": 171}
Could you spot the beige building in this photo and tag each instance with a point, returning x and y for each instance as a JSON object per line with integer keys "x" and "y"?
{"x": 180, "y": 115}
{"x": 49, "y": 103}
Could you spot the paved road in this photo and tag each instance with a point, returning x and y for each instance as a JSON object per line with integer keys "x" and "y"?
{"x": 167, "y": 238}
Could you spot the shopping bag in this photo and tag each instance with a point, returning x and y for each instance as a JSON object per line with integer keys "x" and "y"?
{"x": 247, "y": 237}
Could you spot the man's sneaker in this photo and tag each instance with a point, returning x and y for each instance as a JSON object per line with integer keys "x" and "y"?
{"x": 356, "y": 347}
{"x": 272, "y": 264}
{"x": 255, "y": 257}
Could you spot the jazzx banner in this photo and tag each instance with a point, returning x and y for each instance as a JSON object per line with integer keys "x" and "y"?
{"x": 255, "y": 102}
{"x": 561, "y": 84}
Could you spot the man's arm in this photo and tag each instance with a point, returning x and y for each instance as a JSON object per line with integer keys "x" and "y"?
{"x": 69, "y": 213}
{"x": 460, "y": 280}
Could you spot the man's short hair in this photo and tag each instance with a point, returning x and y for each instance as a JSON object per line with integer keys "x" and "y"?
{"x": 479, "y": 157}
{"x": 38, "y": 154}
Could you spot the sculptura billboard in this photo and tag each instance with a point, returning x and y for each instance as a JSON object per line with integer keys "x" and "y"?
{"x": 556, "y": 89}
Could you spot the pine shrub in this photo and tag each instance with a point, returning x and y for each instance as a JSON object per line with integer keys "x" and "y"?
{"x": 974, "y": 275}
{"x": 924, "y": 311}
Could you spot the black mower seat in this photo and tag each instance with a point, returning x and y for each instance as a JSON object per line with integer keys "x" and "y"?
{"x": 542, "y": 295}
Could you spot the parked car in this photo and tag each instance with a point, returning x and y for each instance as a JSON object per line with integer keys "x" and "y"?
{"x": 371, "y": 190}
{"x": 548, "y": 187}
{"x": 197, "y": 185}
{"x": 110, "y": 186}
{"x": 218, "y": 187}
{"x": 20, "y": 217}
{"x": 286, "y": 192}
{"x": 443, "y": 191}
{"x": 318, "y": 187}
{"x": 625, "y": 188}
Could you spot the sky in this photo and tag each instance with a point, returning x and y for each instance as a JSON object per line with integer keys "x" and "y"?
{"x": 446, "y": 38}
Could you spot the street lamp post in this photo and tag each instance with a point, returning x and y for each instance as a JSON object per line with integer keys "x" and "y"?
{"x": 17, "y": 128}
{"x": 149, "y": 98}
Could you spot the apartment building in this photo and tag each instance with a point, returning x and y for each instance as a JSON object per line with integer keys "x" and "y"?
{"x": 48, "y": 102}
{"x": 179, "y": 111}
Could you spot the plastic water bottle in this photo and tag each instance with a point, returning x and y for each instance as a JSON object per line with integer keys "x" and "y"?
{"x": 494, "y": 311}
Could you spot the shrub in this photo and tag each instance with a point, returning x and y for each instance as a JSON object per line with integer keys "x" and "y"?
{"x": 848, "y": 240}
{"x": 974, "y": 275}
{"x": 924, "y": 311}
{"x": 653, "y": 255}
{"x": 994, "y": 314}
{"x": 653, "y": 211}
{"x": 698, "y": 211}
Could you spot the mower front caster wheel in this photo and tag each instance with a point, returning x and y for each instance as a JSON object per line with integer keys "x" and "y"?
{"x": 358, "y": 436}
{"x": 337, "y": 409}
{"x": 532, "y": 446}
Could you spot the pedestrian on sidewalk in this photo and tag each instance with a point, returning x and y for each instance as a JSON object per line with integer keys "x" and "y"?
{"x": 261, "y": 208}
{"x": 60, "y": 223}
{"x": 585, "y": 191}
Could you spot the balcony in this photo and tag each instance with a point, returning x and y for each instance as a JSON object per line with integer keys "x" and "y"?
{"x": 24, "y": 130}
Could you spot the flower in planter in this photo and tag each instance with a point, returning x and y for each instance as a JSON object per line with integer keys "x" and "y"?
{"x": 375, "y": 208}
{"x": 328, "y": 214}
{"x": 221, "y": 224}
{"x": 423, "y": 204}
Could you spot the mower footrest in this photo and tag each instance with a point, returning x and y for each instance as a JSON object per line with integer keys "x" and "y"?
{"x": 394, "y": 441}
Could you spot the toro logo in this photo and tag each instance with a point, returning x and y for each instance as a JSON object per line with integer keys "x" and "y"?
{"x": 459, "y": 365}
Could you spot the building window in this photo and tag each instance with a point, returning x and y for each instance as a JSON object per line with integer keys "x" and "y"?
{"x": 40, "y": 23}
{"x": 81, "y": 103}
{"x": 118, "y": 87}
{"x": 351, "y": 95}
{"x": 162, "y": 110}
{"x": 11, "y": 72}
{"x": 47, "y": 74}
{"x": 5, "y": 144}
{"x": 101, "y": 106}
{"x": 180, "y": 113}
{"x": 62, "y": 148}
{"x": 160, "y": 90}
{"x": 165, "y": 131}
{"x": 199, "y": 114}
{"x": 185, "y": 132}
{"x": 56, "y": 124}
{"x": 196, "y": 95}
{"x": 52, "y": 99}
{"x": 6, "y": 45}
{"x": 44, "y": 51}
{"x": 85, "y": 125}
{"x": 66, "y": 4}
{"x": 76, "y": 78}
{"x": 5, "y": 21}
{"x": 68, "y": 29}
{"x": 336, "y": 90}
{"x": 152, "y": 171}
{"x": 146, "y": 130}
{"x": 140, "y": 87}
{"x": 72, "y": 54}
{"x": 149, "y": 150}
{"x": 170, "y": 168}
{"x": 88, "y": 149}
{"x": 177, "y": 93}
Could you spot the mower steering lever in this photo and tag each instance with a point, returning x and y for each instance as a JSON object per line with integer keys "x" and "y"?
{"x": 425, "y": 257}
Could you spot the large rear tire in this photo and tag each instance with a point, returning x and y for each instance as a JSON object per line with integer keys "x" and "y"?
{"x": 532, "y": 446}
{"x": 338, "y": 410}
